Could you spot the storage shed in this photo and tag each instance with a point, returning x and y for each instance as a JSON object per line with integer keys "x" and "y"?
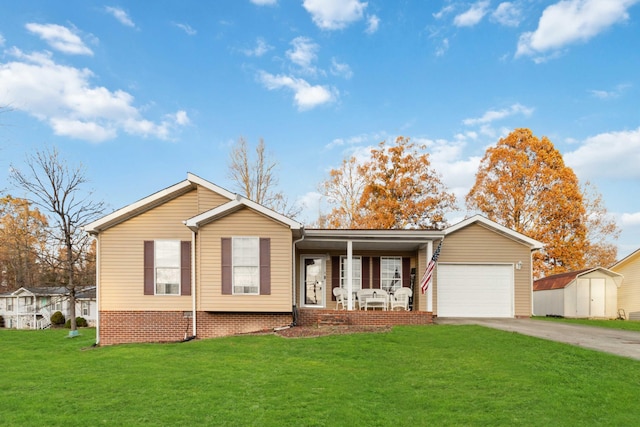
{"x": 589, "y": 293}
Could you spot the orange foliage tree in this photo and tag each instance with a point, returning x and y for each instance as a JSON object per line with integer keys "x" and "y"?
{"x": 523, "y": 183}
{"x": 602, "y": 229}
{"x": 395, "y": 189}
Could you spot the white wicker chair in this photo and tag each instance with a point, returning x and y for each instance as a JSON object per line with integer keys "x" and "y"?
{"x": 341, "y": 298}
{"x": 400, "y": 299}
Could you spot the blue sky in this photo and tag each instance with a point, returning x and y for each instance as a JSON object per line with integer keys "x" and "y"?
{"x": 141, "y": 93}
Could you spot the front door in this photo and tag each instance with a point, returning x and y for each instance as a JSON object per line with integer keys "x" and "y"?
{"x": 313, "y": 281}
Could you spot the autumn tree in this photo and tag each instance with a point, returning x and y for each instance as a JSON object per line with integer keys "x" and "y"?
{"x": 402, "y": 190}
{"x": 256, "y": 179}
{"x": 523, "y": 183}
{"x": 58, "y": 190}
{"x": 22, "y": 237}
{"x": 343, "y": 190}
{"x": 602, "y": 229}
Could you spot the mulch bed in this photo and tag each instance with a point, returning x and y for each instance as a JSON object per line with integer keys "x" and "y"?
{"x": 319, "y": 331}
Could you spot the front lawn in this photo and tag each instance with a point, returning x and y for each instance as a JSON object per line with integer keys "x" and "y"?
{"x": 628, "y": 325}
{"x": 417, "y": 375}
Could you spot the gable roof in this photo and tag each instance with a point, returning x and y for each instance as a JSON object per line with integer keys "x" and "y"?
{"x": 562, "y": 280}
{"x": 629, "y": 258}
{"x": 494, "y": 226}
{"x": 154, "y": 200}
{"x": 234, "y": 205}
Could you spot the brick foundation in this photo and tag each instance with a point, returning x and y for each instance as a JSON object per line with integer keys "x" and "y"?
{"x": 120, "y": 327}
{"x": 315, "y": 317}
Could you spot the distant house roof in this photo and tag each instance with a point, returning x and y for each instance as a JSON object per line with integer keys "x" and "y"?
{"x": 562, "y": 280}
{"x": 45, "y": 291}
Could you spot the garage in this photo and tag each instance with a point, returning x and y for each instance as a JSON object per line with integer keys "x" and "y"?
{"x": 475, "y": 290}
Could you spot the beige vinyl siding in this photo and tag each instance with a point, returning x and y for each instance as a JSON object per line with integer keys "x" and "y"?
{"x": 122, "y": 262}
{"x": 208, "y": 200}
{"x": 629, "y": 291}
{"x": 244, "y": 222}
{"x": 477, "y": 244}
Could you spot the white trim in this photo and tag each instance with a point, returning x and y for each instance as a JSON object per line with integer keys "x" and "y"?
{"x": 98, "y": 289}
{"x": 533, "y": 244}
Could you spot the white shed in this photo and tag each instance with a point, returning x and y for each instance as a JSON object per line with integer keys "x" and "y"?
{"x": 590, "y": 293}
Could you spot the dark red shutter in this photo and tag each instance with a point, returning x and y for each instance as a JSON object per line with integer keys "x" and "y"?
{"x": 265, "y": 266}
{"x": 335, "y": 274}
{"x": 149, "y": 261}
{"x": 406, "y": 272}
{"x": 376, "y": 273}
{"x": 226, "y": 265}
{"x": 185, "y": 268}
{"x": 365, "y": 272}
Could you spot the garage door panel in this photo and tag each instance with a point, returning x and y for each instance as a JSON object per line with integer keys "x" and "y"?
{"x": 470, "y": 290}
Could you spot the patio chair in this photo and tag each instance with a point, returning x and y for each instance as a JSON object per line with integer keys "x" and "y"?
{"x": 362, "y": 295}
{"x": 400, "y": 299}
{"x": 341, "y": 297}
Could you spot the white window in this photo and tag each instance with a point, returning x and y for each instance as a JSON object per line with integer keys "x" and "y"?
{"x": 44, "y": 302}
{"x": 356, "y": 273}
{"x": 9, "y": 304}
{"x": 57, "y": 306}
{"x": 167, "y": 267}
{"x": 246, "y": 265}
{"x": 84, "y": 307}
{"x": 390, "y": 273}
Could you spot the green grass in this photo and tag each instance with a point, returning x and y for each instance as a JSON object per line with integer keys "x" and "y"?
{"x": 627, "y": 325}
{"x": 414, "y": 375}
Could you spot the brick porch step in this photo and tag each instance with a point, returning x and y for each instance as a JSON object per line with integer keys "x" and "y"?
{"x": 332, "y": 319}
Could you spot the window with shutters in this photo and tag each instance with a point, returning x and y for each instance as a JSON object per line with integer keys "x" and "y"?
{"x": 390, "y": 273}
{"x": 246, "y": 265}
{"x": 356, "y": 273}
{"x": 167, "y": 267}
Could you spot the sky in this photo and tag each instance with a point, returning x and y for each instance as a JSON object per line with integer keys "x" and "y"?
{"x": 140, "y": 93}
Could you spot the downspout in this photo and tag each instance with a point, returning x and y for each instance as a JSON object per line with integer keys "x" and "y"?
{"x": 294, "y": 309}
{"x": 193, "y": 283}
{"x": 97, "y": 289}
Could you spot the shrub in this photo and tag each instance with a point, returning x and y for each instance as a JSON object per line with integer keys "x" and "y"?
{"x": 81, "y": 322}
{"x": 57, "y": 318}
{"x": 1, "y": 322}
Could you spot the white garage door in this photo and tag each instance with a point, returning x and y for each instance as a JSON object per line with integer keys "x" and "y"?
{"x": 475, "y": 290}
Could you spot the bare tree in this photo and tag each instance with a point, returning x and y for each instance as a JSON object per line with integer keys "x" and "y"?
{"x": 256, "y": 178}
{"x": 58, "y": 190}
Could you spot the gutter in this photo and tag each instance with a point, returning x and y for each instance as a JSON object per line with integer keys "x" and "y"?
{"x": 294, "y": 308}
{"x": 193, "y": 285}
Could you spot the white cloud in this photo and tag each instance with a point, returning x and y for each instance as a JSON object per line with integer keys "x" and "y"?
{"x": 2, "y": 40}
{"x": 610, "y": 94}
{"x": 630, "y": 219}
{"x": 60, "y": 38}
{"x": 493, "y": 115}
{"x": 261, "y": 48}
{"x": 373, "y": 22}
{"x": 473, "y": 16}
{"x": 507, "y": 14}
{"x": 443, "y": 48}
{"x": 444, "y": 11}
{"x": 612, "y": 154}
{"x": 334, "y": 14}
{"x": 120, "y": 15}
{"x": 338, "y": 69}
{"x": 63, "y": 97}
{"x": 303, "y": 53}
{"x": 572, "y": 21}
{"x": 306, "y": 96}
{"x": 186, "y": 28}
{"x": 264, "y": 2}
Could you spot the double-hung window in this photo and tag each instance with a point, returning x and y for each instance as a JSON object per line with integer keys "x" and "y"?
{"x": 246, "y": 265}
{"x": 167, "y": 267}
{"x": 85, "y": 308}
{"x": 356, "y": 273}
{"x": 390, "y": 273}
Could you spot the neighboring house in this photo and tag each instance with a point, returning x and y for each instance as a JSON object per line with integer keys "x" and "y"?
{"x": 588, "y": 293}
{"x": 629, "y": 292}
{"x": 32, "y": 307}
{"x": 195, "y": 260}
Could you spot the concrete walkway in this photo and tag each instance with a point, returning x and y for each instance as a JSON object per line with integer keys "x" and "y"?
{"x": 614, "y": 341}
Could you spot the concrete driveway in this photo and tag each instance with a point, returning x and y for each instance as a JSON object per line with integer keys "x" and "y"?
{"x": 622, "y": 343}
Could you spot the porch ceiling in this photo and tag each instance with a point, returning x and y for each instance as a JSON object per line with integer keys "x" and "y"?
{"x": 367, "y": 240}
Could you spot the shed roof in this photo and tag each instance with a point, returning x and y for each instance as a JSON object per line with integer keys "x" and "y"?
{"x": 562, "y": 280}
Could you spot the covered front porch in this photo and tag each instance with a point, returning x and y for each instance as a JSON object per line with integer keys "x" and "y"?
{"x": 334, "y": 269}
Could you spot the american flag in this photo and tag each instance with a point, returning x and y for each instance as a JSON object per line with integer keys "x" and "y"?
{"x": 428, "y": 273}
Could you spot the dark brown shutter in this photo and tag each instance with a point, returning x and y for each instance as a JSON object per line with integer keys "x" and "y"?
{"x": 149, "y": 261}
{"x": 365, "y": 272}
{"x": 265, "y": 266}
{"x": 335, "y": 274}
{"x": 185, "y": 268}
{"x": 226, "y": 265}
{"x": 375, "y": 283}
{"x": 406, "y": 272}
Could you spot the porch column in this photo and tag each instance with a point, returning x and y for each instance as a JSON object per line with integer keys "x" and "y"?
{"x": 349, "y": 275}
{"x": 430, "y": 289}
